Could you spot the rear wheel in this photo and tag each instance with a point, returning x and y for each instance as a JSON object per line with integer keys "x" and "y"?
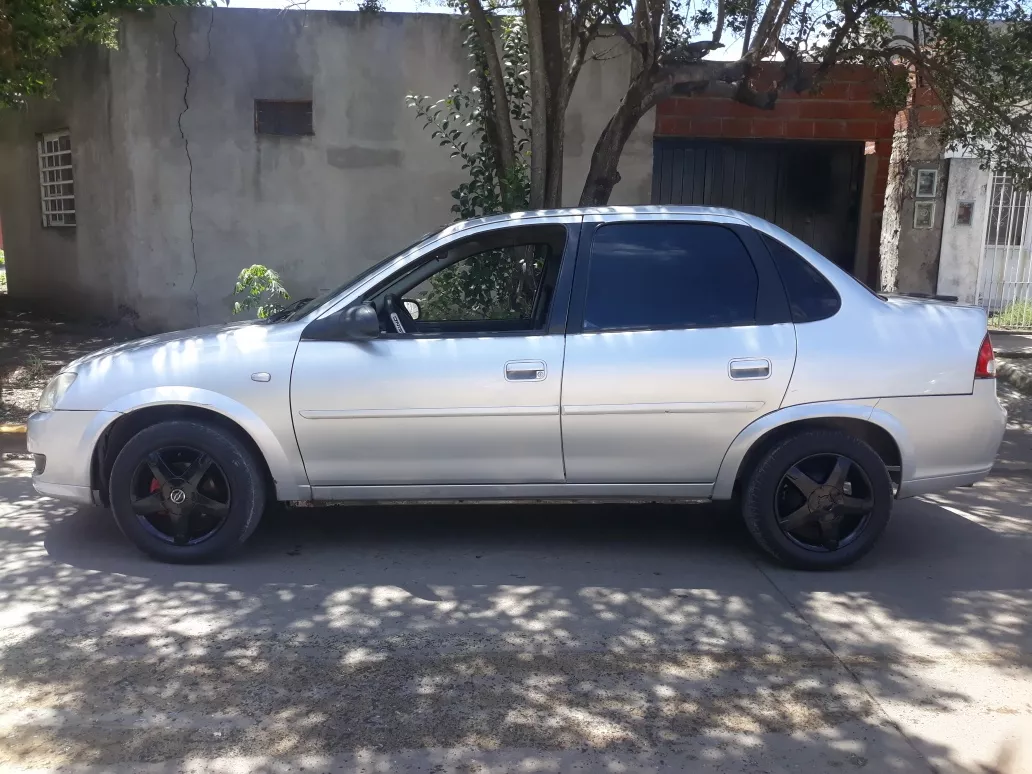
{"x": 818, "y": 500}
{"x": 185, "y": 491}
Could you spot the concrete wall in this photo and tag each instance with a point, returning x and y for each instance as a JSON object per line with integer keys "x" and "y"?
{"x": 45, "y": 262}
{"x": 961, "y": 249}
{"x": 175, "y": 192}
{"x": 919, "y": 247}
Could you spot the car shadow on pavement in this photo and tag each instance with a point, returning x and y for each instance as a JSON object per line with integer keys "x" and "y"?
{"x": 495, "y": 638}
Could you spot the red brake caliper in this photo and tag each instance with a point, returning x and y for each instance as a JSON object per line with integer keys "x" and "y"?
{"x": 154, "y": 485}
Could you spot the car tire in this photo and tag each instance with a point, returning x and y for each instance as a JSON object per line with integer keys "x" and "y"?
{"x": 221, "y": 509}
{"x": 778, "y": 495}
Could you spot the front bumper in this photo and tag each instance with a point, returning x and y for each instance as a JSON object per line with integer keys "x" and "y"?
{"x": 68, "y": 439}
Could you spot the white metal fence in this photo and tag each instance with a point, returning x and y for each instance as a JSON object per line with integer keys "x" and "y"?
{"x": 1005, "y": 273}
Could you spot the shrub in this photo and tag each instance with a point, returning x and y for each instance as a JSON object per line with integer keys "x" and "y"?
{"x": 258, "y": 287}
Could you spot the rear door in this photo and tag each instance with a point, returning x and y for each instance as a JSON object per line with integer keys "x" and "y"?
{"x": 679, "y": 337}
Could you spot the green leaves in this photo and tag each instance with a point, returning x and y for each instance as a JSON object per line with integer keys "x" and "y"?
{"x": 34, "y": 32}
{"x": 259, "y": 288}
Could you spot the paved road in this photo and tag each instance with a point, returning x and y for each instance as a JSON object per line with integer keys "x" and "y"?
{"x": 529, "y": 639}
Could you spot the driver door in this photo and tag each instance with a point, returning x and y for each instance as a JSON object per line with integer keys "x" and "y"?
{"x": 462, "y": 386}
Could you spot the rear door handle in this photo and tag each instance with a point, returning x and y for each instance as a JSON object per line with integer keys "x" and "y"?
{"x": 526, "y": 371}
{"x": 749, "y": 368}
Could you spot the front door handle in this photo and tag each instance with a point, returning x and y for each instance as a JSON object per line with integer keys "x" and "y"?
{"x": 526, "y": 371}
{"x": 749, "y": 368}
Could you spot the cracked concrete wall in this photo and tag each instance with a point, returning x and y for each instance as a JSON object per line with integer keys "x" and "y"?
{"x": 174, "y": 197}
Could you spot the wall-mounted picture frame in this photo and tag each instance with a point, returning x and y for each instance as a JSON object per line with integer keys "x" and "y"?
{"x": 924, "y": 214}
{"x": 927, "y": 183}
{"x": 965, "y": 213}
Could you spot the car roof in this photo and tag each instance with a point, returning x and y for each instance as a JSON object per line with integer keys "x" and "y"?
{"x": 646, "y": 209}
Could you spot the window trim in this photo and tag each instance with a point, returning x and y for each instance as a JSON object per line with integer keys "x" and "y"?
{"x": 41, "y": 153}
{"x": 771, "y": 302}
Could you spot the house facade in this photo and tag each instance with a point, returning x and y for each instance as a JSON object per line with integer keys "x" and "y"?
{"x": 213, "y": 139}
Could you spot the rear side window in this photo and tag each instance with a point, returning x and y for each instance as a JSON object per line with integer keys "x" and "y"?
{"x": 810, "y": 296}
{"x": 668, "y": 275}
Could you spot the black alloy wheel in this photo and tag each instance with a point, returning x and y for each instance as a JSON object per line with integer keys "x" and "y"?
{"x": 181, "y": 495}
{"x": 187, "y": 491}
{"x": 824, "y": 502}
{"x": 818, "y": 500}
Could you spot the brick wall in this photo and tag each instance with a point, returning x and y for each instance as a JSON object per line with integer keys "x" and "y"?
{"x": 842, "y": 110}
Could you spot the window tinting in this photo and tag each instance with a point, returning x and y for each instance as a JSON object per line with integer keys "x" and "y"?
{"x": 669, "y": 275}
{"x": 810, "y": 296}
{"x": 284, "y": 117}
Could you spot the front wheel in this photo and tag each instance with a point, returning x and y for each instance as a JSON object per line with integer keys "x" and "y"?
{"x": 818, "y": 500}
{"x": 185, "y": 491}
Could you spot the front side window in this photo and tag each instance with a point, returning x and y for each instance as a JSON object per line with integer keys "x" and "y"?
{"x": 501, "y": 280}
{"x": 497, "y": 284}
{"x": 669, "y": 275}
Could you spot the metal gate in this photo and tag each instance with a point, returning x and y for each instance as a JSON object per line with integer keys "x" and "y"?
{"x": 1005, "y": 273}
{"x": 810, "y": 189}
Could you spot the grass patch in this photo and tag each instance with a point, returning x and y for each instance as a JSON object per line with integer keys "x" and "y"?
{"x": 1016, "y": 315}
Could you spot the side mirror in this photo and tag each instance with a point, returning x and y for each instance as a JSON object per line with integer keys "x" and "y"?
{"x": 360, "y": 323}
{"x": 413, "y": 307}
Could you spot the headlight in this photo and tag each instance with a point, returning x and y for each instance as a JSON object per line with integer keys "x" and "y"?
{"x": 55, "y": 390}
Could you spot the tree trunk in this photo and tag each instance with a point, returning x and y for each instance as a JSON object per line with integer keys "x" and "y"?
{"x": 538, "y": 105}
{"x": 555, "y": 55}
{"x": 554, "y": 174}
{"x": 603, "y": 174}
{"x": 888, "y": 248}
{"x": 500, "y": 102}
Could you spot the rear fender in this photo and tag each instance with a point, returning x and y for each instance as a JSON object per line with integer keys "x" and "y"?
{"x": 864, "y": 410}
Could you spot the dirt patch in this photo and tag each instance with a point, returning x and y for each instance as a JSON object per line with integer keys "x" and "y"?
{"x": 33, "y": 349}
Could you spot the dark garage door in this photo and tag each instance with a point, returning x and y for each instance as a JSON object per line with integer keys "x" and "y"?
{"x": 811, "y": 190}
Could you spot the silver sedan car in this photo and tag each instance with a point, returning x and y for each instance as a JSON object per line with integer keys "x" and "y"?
{"x": 644, "y": 354}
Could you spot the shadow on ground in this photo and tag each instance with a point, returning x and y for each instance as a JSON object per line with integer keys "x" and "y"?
{"x": 499, "y": 638}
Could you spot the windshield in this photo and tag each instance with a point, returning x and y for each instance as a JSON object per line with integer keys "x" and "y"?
{"x": 312, "y": 304}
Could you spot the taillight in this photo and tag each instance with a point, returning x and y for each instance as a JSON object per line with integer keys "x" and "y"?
{"x": 985, "y": 367}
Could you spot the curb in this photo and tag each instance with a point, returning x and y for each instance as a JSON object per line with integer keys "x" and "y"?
{"x": 1016, "y": 377}
{"x": 12, "y": 438}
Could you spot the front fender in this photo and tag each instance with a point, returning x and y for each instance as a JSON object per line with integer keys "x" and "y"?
{"x": 282, "y": 456}
{"x": 864, "y": 410}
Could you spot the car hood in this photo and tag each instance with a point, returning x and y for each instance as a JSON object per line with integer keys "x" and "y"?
{"x": 201, "y": 337}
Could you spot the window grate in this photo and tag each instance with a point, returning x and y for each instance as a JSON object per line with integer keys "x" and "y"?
{"x": 1008, "y": 210}
{"x": 291, "y": 118}
{"x": 57, "y": 189}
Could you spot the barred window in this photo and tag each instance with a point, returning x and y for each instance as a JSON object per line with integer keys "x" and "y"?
{"x": 1008, "y": 211}
{"x": 57, "y": 190}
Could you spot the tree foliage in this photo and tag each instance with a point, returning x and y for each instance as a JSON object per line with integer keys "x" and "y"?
{"x": 462, "y": 123}
{"x": 971, "y": 58}
{"x": 34, "y": 32}
{"x": 259, "y": 288}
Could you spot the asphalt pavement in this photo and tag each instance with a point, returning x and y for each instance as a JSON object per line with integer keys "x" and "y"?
{"x": 520, "y": 639}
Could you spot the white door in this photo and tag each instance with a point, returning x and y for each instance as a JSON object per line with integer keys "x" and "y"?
{"x": 463, "y": 385}
{"x": 678, "y": 340}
